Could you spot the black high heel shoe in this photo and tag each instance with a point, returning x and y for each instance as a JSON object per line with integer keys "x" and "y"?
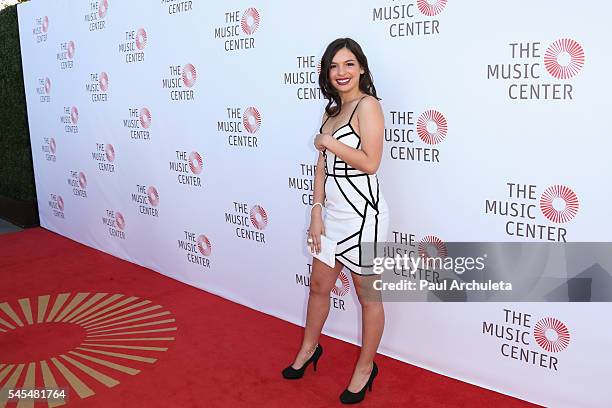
{"x": 291, "y": 373}
{"x": 348, "y": 397}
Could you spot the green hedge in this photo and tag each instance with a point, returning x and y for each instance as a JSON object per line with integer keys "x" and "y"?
{"x": 16, "y": 172}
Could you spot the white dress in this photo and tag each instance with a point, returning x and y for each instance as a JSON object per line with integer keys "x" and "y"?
{"x": 356, "y": 212}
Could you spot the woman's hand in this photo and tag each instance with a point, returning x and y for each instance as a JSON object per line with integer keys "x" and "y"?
{"x": 321, "y": 141}
{"x": 317, "y": 228}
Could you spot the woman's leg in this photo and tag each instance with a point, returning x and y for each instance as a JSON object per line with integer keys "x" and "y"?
{"x": 372, "y": 325}
{"x": 322, "y": 280}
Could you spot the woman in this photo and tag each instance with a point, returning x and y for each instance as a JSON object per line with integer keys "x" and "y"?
{"x": 351, "y": 143}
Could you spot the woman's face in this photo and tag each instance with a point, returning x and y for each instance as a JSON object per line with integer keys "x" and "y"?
{"x": 345, "y": 71}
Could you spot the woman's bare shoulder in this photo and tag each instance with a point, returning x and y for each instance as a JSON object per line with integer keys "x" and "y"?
{"x": 370, "y": 105}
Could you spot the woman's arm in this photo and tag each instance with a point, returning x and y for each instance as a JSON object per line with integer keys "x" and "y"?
{"x": 319, "y": 183}
{"x": 317, "y": 228}
{"x": 371, "y": 129}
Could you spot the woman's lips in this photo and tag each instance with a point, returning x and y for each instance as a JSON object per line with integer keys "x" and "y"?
{"x": 343, "y": 81}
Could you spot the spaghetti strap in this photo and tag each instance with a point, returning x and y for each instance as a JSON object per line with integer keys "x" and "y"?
{"x": 355, "y": 109}
{"x": 324, "y": 122}
{"x": 350, "y": 119}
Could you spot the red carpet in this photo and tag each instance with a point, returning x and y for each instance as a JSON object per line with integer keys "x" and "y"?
{"x": 116, "y": 334}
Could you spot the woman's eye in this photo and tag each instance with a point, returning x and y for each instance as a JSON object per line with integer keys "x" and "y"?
{"x": 350, "y": 64}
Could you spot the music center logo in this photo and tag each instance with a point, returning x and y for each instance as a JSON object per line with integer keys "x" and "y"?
{"x": 102, "y": 8}
{"x": 138, "y": 123}
{"x": 104, "y": 155}
{"x": 249, "y": 222}
{"x": 410, "y": 19}
{"x": 147, "y": 198}
{"x": 188, "y": 167}
{"x": 250, "y": 21}
{"x": 78, "y": 181}
{"x": 43, "y": 89}
{"x": 40, "y": 29}
{"x": 179, "y": 82}
{"x": 251, "y": 119}
{"x": 305, "y": 79}
{"x": 97, "y": 86}
{"x": 241, "y": 127}
{"x": 517, "y": 335}
{"x": 70, "y": 119}
{"x": 431, "y": 127}
{"x": 66, "y": 55}
{"x": 115, "y": 223}
{"x": 259, "y": 218}
{"x": 96, "y": 13}
{"x": 56, "y": 204}
{"x": 551, "y": 334}
{"x": 133, "y": 45}
{"x": 238, "y": 29}
{"x": 197, "y": 248}
{"x": 558, "y": 204}
{"x": 562, "y": 60}
{"x": 49, "y": 148}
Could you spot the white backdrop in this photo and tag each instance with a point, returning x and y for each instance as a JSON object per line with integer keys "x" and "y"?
{"x": 137, "y": 115}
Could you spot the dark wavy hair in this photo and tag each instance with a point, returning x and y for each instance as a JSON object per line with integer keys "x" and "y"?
{"x": 366, "y": 85}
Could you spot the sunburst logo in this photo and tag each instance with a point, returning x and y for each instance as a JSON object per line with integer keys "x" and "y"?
{"x": 47, "y": 85}
{"x": 92, "y": 341}
{"x": 559, "y": 203}
{"x": 432, "y": 247}
{"x": 52, "y": 145}
{"x": 102, "y": 8}
{"x": 74, "y": 115}
{"x": 45, "y": 24}
{"x": 342, "y": 286}
{"x": 432, "y": 127}
{"x": 145, "y": 118}
{"x": 120, "y": 220}
{"x": 204, "y": 245}
{"x": 564, "y": 58}
{"x": 251, "y": 119}
{"x": 189, "y": 75}
{"x": 82, "y": 180}
{"x": 110, "y": 152}
{"x": 141, "y": 39}
{"x": 103, "y": 81}
{"x": 250, "y": 20}
{"x": 153, "y": 196}
{"x": 430, "y": 7}
{"x": 551, "y": 334}
{"x": 71, "y": 49}
{"x": 195, "y": 162}
{"x": 259, "y": 217}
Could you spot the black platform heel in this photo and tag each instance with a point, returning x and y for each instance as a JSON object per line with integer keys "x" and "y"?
{"x": 291, "y": 373}
{"x": 348, "y": 397}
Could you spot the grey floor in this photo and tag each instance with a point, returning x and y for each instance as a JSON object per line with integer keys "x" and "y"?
{"x": 6, "y": 226}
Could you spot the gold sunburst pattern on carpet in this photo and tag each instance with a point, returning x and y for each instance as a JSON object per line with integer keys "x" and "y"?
{"x": 79, "y": 341}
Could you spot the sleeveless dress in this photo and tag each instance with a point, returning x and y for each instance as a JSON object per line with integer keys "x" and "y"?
{"x": 355, "y": 209}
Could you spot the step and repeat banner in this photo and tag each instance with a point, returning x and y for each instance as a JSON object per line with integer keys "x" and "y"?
{"x": 178, "y": 135}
